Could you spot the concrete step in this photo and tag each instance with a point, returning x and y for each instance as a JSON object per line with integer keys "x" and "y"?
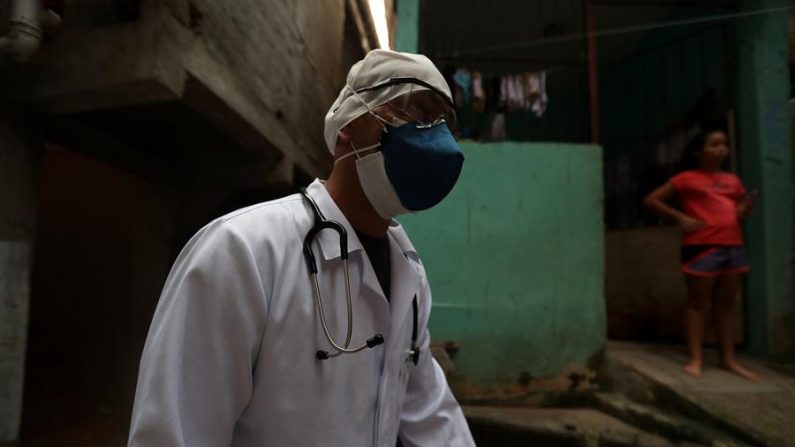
{"x": 554, "y": 427}
{"x": 757, "y": 414}
{"x": 671, "y": 426}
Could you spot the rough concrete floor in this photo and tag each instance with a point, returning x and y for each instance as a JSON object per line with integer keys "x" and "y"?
{"x": 507, "y": 427}
{"x": 763, "y": 411}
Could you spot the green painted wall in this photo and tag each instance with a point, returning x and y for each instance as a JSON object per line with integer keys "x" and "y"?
{"x": 408, "y": 24}
{"x": 515, "y": 260}
{"x": 766, "y": 163}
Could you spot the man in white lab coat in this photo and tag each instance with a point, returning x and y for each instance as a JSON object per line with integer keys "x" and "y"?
{"x": 248, "y": 347}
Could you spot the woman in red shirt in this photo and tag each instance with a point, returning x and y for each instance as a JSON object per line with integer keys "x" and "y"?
{"x": 713, "y": 259}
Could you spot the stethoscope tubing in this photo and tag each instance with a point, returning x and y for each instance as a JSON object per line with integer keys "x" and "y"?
{"x": 319, "y": 303}
{"x": 321, "y": 224}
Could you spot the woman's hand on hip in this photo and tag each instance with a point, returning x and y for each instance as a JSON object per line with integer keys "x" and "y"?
{"x": 690, "y": 223}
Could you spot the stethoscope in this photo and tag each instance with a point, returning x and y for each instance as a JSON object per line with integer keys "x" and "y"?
{"x": 322, "y": 224}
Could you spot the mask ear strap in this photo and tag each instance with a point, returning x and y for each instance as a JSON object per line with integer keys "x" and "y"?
{"x": 356, "y": 152}
{"x": 369, "y": 110}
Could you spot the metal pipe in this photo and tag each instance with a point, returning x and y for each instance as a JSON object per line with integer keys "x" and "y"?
{"x": 24, "y": 31}
{"x": 593, "y": 69}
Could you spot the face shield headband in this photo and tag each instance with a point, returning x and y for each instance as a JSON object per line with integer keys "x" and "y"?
{"x": 405, "y": 80}
{"x": 449, "y": 115}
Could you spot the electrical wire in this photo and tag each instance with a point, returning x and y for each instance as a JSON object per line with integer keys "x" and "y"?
{"x": 614, "y": 31}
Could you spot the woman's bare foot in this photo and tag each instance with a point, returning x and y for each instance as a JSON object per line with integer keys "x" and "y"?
{"x": 740, "y": 371}
{"x": 693, "y": 369}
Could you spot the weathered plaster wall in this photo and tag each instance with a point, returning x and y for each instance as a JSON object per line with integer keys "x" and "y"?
{"x": 264, "y": 72}
{"x": 645, "y": 289}
{"x": 515, "y": 259}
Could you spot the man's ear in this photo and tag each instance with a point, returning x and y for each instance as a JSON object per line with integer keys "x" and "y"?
{"x": 344, "y": 137}
{"x": 345, "y": 134}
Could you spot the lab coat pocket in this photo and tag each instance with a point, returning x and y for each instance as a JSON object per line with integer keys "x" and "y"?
{"x": 406, "y": 367}
{"x": 406, "y": 359}
{"x": 404, "y": 374}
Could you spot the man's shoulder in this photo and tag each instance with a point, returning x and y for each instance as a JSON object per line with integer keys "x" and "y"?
{"x": 272, "y": 220}
{"x": 272, "y": 209}
{"x": 263, "y": 229}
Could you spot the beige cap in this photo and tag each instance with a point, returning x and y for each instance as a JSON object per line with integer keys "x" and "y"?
{"x": 380, "y": 67}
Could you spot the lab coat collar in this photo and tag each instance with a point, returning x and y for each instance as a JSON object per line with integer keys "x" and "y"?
{"x": 329, "y": 241}
{"x": 398, "y": 234}
{"x": 405, "y": 266}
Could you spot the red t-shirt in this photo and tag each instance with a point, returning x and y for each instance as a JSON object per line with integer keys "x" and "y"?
{"x": 711, "y": 198}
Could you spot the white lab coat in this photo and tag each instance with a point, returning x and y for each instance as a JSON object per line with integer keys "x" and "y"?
{"x": 230, "y": 356}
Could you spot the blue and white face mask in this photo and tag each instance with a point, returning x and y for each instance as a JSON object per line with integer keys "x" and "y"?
{"x": 422, "y": 163}
{"x": 415, "y": 169}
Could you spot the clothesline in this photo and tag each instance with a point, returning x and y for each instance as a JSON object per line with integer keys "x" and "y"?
{"x": 533, "y": 64}
{"x": 525, "y": 90}
{"x": 611, "y": 32}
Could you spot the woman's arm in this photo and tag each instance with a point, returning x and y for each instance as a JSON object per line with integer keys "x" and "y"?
{"x": 657, "y": 201}
{"x": 746, "y": 204}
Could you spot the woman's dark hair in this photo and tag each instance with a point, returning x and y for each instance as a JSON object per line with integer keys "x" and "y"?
{"x": 694, "y": 146}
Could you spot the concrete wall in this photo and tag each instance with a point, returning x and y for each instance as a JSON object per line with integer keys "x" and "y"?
{"x": 515, "y": 261}
{"x": 408, "y": 23}
{"x": 104, "y": 247}
{"x": 515, "y": 258}
{"x": 18, "y": 162}
{"x": 172, "y": 113}
{"x": 644, "y": 288}
{"x": 766, "y": 163}
{"x": 263, "y": 72}
{"x": 276, "y": 62}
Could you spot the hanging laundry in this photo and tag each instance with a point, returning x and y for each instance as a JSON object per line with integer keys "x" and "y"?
{"x": 536, "y": 91}
{"x": 507, "y": 93}
{"x": 492, "y": 86}
{"x": 497, "y": 131}
{"x": 478, "y": 95}
{"x": 504, "y": 92}
{"x": 518, "y": 91}
{"x": 458, "y": 96}
{"x": 463, "y": 79}
{"x": 512, "y": 97}
{"x": 513, "y": 93}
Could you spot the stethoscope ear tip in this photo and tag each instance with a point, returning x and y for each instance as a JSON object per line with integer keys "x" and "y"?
{"x": 321, "y": 355}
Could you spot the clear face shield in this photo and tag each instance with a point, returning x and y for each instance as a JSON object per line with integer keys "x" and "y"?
{"x": 421, "y": 107}
{"x": 423, "y": 104}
